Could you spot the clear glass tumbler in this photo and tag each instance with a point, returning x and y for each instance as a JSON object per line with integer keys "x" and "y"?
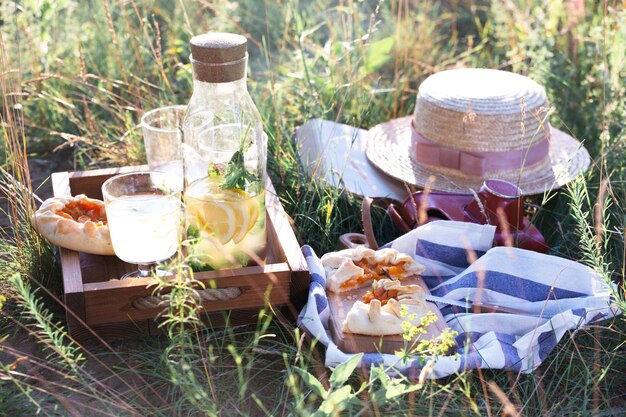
{"x": 162, "y": 139}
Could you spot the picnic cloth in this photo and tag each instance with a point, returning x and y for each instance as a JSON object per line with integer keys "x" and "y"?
{"x": 558, "y": 294}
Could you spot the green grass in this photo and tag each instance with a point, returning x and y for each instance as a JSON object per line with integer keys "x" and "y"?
{"x": 83, "y": 73}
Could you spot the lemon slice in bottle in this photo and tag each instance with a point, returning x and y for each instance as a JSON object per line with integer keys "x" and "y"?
{"x": 225, "y": 214}
{"x": 248, "y": 211}
{"x": 215, "y": 218}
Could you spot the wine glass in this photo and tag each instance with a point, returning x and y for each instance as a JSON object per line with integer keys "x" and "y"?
{"x": 144, "y": 214}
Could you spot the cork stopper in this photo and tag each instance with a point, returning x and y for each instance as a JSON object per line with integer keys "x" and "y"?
{"x": 219, "y": 57}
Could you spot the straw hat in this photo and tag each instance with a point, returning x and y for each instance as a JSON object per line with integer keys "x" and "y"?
{"x": 473, "y": 124}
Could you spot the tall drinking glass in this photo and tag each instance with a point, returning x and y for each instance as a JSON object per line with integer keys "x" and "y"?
{"x": 161, "y": 138}
{"x": 144, "y": 213}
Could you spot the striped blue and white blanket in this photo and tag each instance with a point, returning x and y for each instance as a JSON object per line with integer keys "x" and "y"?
{"x": 557, "y": 294}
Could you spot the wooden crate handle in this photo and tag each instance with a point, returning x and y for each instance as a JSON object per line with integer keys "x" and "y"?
{"x": 207, "y": 294}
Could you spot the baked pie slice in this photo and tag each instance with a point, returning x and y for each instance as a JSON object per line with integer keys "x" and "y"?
{"x": 355, "y": 268}
{"x": 384, "y": 308}
{"x": 78, "y": 223}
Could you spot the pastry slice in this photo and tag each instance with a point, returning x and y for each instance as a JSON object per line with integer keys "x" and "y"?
{"x": 78, "y": 223}
{"x": 379, "y": 312}
{"x": 359, "y": 267}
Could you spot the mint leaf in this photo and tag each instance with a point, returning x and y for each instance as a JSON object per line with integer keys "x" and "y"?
{"x": 237, "y": 176}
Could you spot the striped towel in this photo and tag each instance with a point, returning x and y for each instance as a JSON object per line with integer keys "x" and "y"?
{"x": 557, "y": 294}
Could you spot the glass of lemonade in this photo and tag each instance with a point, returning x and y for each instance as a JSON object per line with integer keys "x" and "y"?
{"x": 144, "y": 214}
{"x": 226, "y": 227}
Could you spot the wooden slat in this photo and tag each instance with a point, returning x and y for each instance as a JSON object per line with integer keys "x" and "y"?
{"x": 115, "y": 304}
{"x": 98, "y": 268}
{"x": 70, "y": 262}
{"x": 72, "y": 285}
{"x": 90, "y": 182}
{"x": 290, "y": 246}
{"x": 219, "y": 276}
{"x": 111, "y": 331}
{"x": 217, "y": 319}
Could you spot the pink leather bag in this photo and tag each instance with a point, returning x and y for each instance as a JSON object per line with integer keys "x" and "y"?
{"x": 497, "y": 203}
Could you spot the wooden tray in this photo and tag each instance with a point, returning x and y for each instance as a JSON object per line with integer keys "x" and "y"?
{"x": 98, "y": 302}
{"x": 341, "y": 303}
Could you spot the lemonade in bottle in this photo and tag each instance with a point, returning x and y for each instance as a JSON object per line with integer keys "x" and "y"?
{"x": 224, "y": 153}
{"x": 228, "y": 224}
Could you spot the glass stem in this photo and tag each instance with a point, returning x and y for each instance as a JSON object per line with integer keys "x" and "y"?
{"x": 145, "y": 270}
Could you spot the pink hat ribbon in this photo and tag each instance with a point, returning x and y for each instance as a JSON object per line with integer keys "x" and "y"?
{"x": 476, "y": 164}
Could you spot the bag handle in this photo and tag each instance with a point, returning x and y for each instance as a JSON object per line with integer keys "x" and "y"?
{"x": 368, "y": 238}
{"x": 366, "y": 217}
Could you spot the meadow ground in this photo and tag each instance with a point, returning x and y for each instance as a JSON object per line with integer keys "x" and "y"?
{"x": 76, "y": 77}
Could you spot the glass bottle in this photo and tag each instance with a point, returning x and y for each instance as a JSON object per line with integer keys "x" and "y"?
{"x": 224, "y": 153}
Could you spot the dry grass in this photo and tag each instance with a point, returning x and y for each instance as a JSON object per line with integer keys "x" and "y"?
{"x": 75, "y": 78}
